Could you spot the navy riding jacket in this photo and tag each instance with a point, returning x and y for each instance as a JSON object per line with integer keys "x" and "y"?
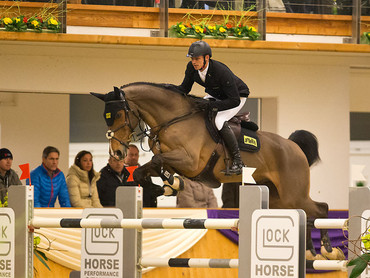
{"x": 221, "y": 83}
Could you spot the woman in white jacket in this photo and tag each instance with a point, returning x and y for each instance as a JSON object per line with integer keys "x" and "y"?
{"x": 81, "y": 182}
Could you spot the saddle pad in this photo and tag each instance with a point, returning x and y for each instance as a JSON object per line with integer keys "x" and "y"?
{"x": 249, "y": 141}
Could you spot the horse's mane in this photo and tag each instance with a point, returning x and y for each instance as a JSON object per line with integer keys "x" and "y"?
{"x": 171, "y": 87}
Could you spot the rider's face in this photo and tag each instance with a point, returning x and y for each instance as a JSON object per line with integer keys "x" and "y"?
{"x": 198, "y": 62}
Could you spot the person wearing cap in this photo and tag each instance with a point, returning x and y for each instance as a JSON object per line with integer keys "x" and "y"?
{"x": 8, "y": 176}
{"x": 227, "y": 90}
{"x": 49, "y": 181}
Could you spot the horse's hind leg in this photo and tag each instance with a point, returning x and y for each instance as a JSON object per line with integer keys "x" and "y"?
{"x": 327, "y": 250}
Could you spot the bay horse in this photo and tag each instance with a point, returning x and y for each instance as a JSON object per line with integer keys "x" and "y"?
{"x": 182, "y": 144}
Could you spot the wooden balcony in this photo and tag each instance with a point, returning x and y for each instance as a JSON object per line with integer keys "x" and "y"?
{"x": 148, "y": 17}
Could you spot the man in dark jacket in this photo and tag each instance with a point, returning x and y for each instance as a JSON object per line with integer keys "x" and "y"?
{"x": 8, "y": 176}
{"x": 119, "y": 173}
{"x": 229, "y": 92}
{"x": 111, "y": 176}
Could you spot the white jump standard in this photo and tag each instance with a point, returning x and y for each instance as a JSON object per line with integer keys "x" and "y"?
{"x": 271, "y": 242}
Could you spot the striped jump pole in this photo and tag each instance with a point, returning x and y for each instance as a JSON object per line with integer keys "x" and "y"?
{"x": 135, "y": 223}
{"x": 192, "y": 263}
{"x": 232, "y": 263}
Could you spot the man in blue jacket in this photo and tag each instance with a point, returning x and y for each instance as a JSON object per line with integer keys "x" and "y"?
{"x": 49, "y": 182}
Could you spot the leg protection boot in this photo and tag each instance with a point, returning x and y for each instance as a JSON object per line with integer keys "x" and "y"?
{"x": 232, "y": 145}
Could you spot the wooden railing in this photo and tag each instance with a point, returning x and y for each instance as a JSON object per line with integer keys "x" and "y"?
{"x": 148, "y": 17}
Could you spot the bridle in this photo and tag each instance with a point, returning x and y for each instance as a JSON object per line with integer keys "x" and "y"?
{"x": 151, "y": 134}
{"x": 125, "y": 107}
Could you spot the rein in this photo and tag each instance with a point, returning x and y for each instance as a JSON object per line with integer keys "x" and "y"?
{"x": 151, "y": 135}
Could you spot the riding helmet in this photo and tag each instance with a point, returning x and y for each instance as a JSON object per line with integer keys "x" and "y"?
{"x": 199, "y": 48}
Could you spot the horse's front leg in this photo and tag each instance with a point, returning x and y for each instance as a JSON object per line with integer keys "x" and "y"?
{"x": 142, "y": 176}
{"x": 163, "y": 165}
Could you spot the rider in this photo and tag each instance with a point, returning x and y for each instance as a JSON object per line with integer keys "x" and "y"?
{"x": 229, "y": 91}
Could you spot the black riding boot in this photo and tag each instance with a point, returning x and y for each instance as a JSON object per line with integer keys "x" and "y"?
{"x": 232, "y": 145}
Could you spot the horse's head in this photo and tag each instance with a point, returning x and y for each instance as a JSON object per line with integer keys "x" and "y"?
{"x": 121, "y": 121}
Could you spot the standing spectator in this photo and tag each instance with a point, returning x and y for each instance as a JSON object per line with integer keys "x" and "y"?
{"x": 131, "y": 163}
{"x": 8, "y": 176}
{"x": 111, "y": 176}
{"x": 81, "y": 182}
{"x": 230, "y": 195}
{"x": 49, "y": 182}
{"x": 196, "y": 195}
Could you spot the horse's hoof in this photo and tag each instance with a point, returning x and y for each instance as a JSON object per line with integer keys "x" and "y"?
{"x": 336, "y": 254}
{"x": 311, "y": 257}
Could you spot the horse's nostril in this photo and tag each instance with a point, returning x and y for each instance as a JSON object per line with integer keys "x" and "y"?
{"x": 119, "y": 154}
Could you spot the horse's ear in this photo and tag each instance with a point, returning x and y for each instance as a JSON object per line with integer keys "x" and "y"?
{"x": 99, "y": 96}
{"x": 117, "y": 91}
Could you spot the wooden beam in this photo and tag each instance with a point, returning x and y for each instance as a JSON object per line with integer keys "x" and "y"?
{"x": 154, "y": 41}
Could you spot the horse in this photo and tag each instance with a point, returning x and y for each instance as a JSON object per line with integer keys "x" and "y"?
{"x": 182, "y": 144}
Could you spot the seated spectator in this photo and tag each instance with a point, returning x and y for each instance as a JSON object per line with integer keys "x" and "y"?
{"x": 49, "y": 182}
{"x": 111, "y": 176}
{"x": 230, "y": 195}
{"x": 196, "y": 195}
{"x": 131, "y": 162}
{"x": 8, "y": 176}
{"x": 81, "y": 182}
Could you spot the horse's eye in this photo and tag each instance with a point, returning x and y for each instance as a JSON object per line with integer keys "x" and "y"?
{"x": 118, "y": 115}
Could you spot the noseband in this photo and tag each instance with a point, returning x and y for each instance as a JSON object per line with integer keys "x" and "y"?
{"x": 125, "y": 107}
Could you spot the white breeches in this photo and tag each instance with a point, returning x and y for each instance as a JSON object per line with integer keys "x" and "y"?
{"x": 225, "y": 115}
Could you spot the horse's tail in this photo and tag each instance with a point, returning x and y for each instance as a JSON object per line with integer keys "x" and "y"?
{"x": 308, "y": 143}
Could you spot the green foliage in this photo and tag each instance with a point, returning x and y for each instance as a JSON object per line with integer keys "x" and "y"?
{"x": 38, "y": 253}
{"x": 365, "y": 38}
{"x": 5, "y": 203}
{"x": 217, "y": 31}
{"x": 360, "y": 263}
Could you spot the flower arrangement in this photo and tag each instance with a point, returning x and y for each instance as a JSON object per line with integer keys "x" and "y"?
{"x": 365, "y": 38}
{"x": 218, "y": 31}
{"x": 361, "y": 262}
{"x": 236, "y": 27}
{"x": 34, "y": 23}
{"x": 44, "y": 20}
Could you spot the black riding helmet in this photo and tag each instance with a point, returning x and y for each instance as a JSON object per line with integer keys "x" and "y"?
{"x": 199, "y": 48}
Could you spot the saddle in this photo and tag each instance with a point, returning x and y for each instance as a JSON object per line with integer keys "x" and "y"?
{"x": 245, "y": 133}
{"x": 243, "y": 128}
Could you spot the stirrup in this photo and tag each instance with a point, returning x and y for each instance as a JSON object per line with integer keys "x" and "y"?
{"x": 236, "y": 171}
{"x": 174, "y": 191}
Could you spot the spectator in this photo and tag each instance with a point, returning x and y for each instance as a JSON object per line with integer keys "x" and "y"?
{"x": 230, "y": 195}
{"x": 111, "y": 176}
{"x": 49, "y": 182}
{"x": 81, "y": 182}
{"x": 119, "y": 173}
{"x": 8, "y": 176}
{"x": 131, "y": 163}
{"x": 196, "y": 195}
